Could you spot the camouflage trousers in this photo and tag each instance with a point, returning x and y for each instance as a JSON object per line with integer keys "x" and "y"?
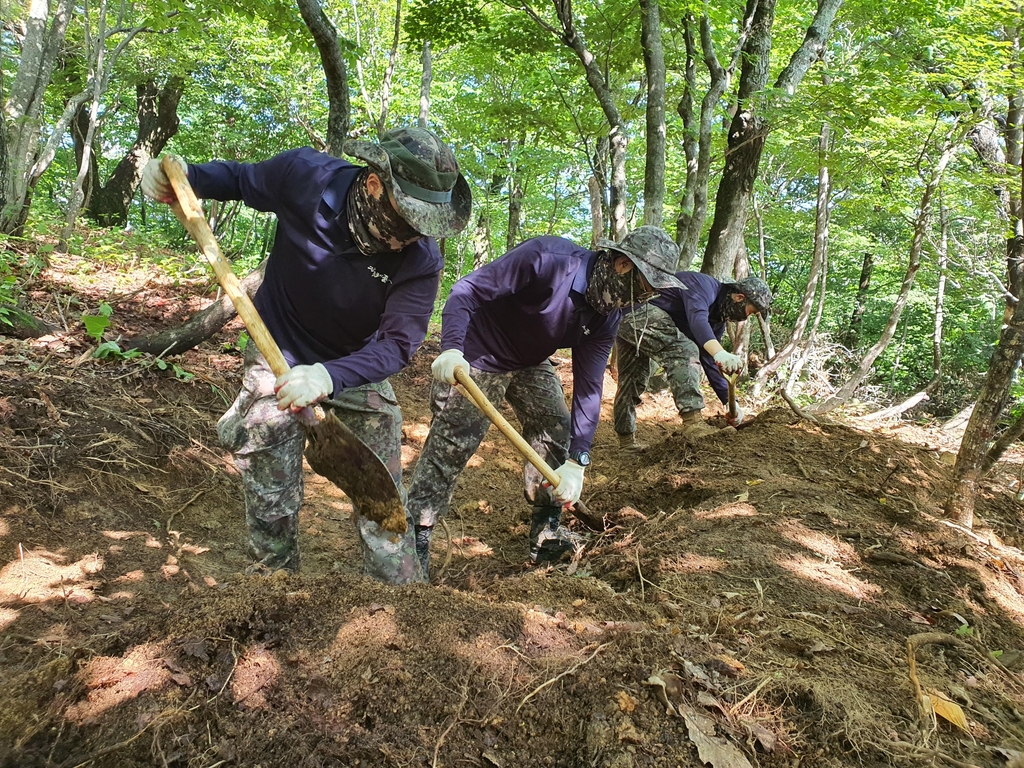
{"x": 268, "y": 444}
{"x": 648, "y": 336}
{"x": 458, "y": 427}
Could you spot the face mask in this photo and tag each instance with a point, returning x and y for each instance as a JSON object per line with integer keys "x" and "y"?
{"x": 731, "y": 311}
{"x": 375, "y": 225}
{"x": 607, "y": 290}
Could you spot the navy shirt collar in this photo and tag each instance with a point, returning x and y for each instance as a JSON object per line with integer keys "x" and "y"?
{"x": 580, "y": 281}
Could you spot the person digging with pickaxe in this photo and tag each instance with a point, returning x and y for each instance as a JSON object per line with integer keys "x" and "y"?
{"x": 501, "y": 323}
{"x": 348, "y": 292}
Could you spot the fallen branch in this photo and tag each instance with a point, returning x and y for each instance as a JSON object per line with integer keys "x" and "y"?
{"x": 796, "y": 408}
{"x": 200, "y": 326}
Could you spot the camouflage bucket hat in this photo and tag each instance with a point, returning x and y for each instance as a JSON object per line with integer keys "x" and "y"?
{"x": 653, "y": 251}
{"x": 423, "y": 175}
{"x": 757, "y": 292}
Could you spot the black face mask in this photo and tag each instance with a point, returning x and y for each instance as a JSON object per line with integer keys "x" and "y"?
{"x": 375, "y": 225}
{"x": 729, "y": 310}
{"x": 607, "y": 290}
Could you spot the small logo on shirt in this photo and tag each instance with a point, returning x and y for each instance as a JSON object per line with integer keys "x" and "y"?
{"x": 586, "y": 331}
{"x": 378, "y": 275}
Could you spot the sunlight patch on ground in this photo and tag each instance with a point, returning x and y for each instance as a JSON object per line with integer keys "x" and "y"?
{"x": 816, "y": 541}
{"x": 254, "y": 676}
{"x": 691, "y": 563}
{"x": 738, "y": 509}
{"x": 123, "y": 535}
{"x": 369, "y": 627}
{"x": 7, "y": 617}
{"x": 468, "y": 548}
{"x": 416, "y": 430}
{"x": 830, "y": 575}
{"x": 543, "y": 634}
{"x": 40, "y": 576}
{"x": 492, "y": 656}
{"x": 111, "y": 681}
{"x": 1001, "y": 591}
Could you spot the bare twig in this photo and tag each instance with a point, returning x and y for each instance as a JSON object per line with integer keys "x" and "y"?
{"x": 558, "y": 677}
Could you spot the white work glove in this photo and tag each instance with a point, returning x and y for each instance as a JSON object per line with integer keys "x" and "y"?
{"x": 739, "y": 417}
{"x": 303, "y": 385}
{"x": 728, "y": 362}
{"x": 155, "y": 184}
{"x": 444, "y": 365}
{"x": 568, "y": 491}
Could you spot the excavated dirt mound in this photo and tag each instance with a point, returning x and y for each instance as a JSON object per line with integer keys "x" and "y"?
{"x": 785, "y": 594}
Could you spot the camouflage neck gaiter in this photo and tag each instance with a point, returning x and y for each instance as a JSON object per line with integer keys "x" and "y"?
{"x": 727, "y": 309}
{"x": 375, "y": 225}
{"x": 607, "y": 290}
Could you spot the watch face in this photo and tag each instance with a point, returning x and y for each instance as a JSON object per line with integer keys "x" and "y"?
{"x": 582, "y": 458}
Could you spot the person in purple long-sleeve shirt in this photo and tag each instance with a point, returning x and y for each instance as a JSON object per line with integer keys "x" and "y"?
{"x": 501, "y": 323}
{"x": 349, "y": 288}
{"x": 682, "y": 331}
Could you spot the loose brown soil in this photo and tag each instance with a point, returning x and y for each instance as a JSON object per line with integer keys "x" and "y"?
{"x": 751, "y": 601}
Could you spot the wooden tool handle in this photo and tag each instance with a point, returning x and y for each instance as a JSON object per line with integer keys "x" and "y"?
{"x": 731, "y": 378}
{"x": 190, "y": 214}
{"x": 462, "y": 376}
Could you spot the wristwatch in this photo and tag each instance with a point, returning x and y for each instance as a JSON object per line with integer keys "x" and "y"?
{"x": 580, "y": 457}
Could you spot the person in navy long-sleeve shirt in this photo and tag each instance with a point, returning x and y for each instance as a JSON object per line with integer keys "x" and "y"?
{"x": 501, "y": 323}
{"x": 348, "y": 291}
{"x": 682, "y": 331}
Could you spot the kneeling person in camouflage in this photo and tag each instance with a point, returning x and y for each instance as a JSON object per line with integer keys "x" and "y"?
{"x": 501, "y": 323}
{"x": 682, "y": 332}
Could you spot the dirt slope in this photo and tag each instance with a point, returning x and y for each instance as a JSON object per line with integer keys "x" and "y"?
{"x": 751, "y": 601}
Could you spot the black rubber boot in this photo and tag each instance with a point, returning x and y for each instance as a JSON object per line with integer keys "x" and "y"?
{"x": 423, "y": 547}
{"x": 549, "y": 541}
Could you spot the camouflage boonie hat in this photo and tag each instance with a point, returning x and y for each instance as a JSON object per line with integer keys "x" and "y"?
{"x": 653, "y": 251}
{"x": 423, "y": 175}
{"x": 757, "y": 292}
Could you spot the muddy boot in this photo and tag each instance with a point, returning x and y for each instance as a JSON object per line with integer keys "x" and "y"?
{"x": 629, "y": 444}
{"x": 549, "y": 541}
{"x": 274, "y": 545}
{"x": 423, "y": 547}
{"x": 694, "y": 425}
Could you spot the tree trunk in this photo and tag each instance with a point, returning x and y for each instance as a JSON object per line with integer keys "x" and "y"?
{"x": 481, "y": 240}
{"x": 654, "y": 66}
{"x": 821, "y": 224}
{"x": 19, "y": 324}
{"x": 853, "y": 332}
{"x": 974, "y": 446}
{"x": 598, "y": 84}
{"x": 389, "y": 73}
{"x": 916, "y": 246}
{"x": 940, "y": 303}
{"x": 748, "y": 131}
{"x": 336, "y": 73}
{"x": 45, "y": 29}
{"x": 596, "y": 192}
{"x": 99, "y": 78}
{"x": 745, "y": 142}
{"x": 157, "y": 111}
{"x": 515, "y": 209}
{"x": 693, "y": 208}
{"x": 200, "y": 326}
{"x": 975, "y": 457}
{"x": 426, "y": 79}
